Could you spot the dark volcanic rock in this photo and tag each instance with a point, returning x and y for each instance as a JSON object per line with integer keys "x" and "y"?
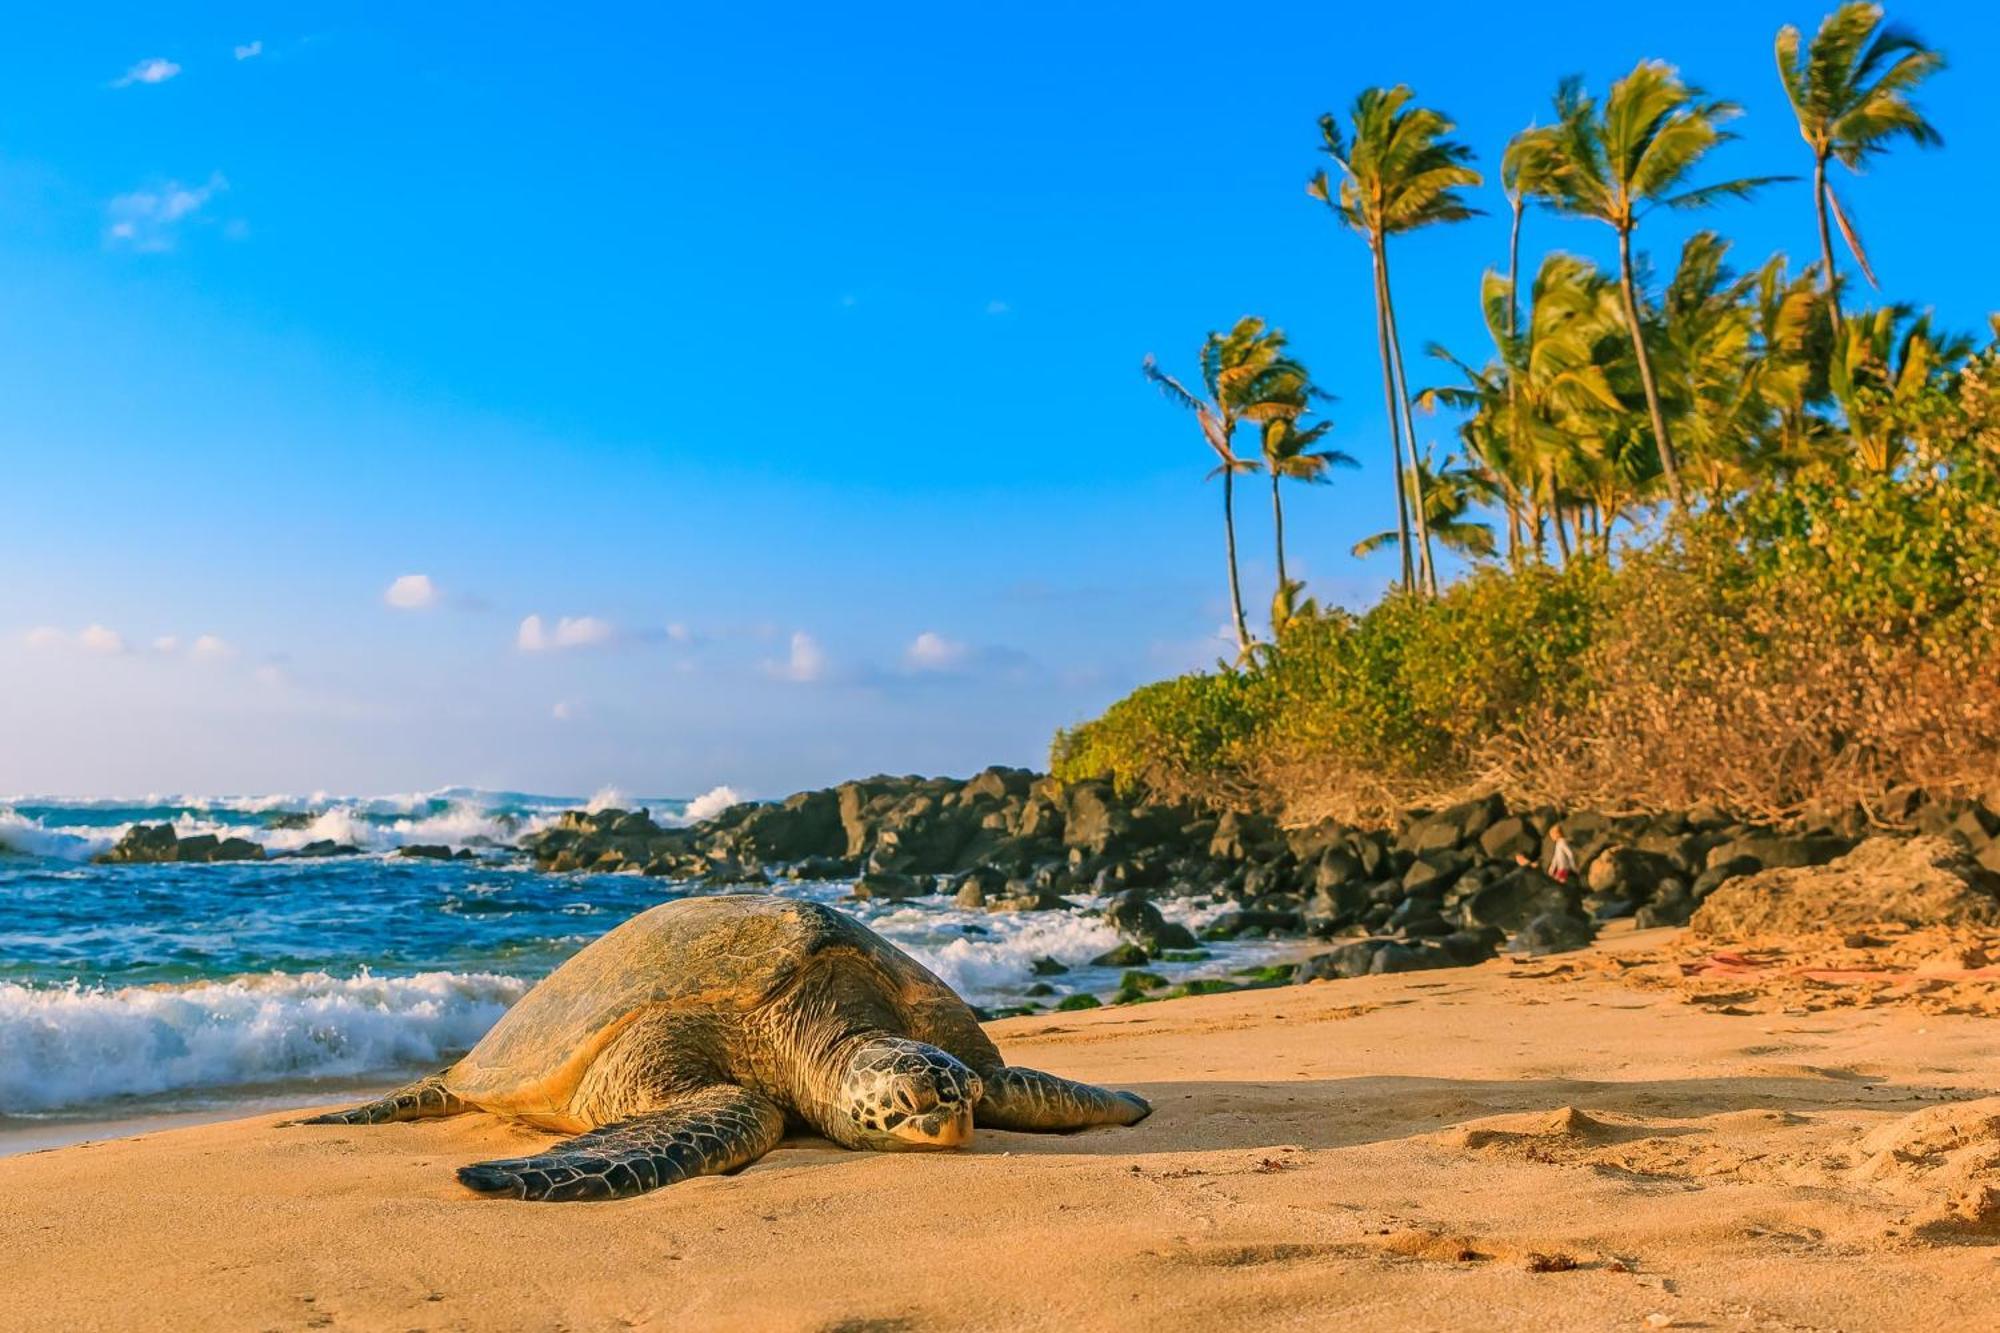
{"x": 425, "y": 851}
{"x": 1134, "y": 917}
{"x": 1770, "y": 851}
{"x": 157, "y": 843}
{"x": 887, "y": 885}
{"x": 1553, "y": 932}
{"x": 1518, "y": 898}
{"x": 327, "y": 847}
{"x": 1455, "y": 826}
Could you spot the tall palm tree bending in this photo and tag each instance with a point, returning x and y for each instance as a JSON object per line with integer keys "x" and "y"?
{"x": 1850, "y": 89}
{"x": 1246, "y": 377}
{"x": 1399, "y": 171}
{"x": 1653, "y": 131}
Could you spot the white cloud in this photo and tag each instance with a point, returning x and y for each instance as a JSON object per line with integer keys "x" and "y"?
{"x": 250, "y": 50}
{"x": 998, "y": 308}
{"x": 272, "y": 676}
{"x": 680, "y": 633}
{"x": 412, "y": 592}
{"x": 150, "y": 219}
{"x": 566, "y": 710}
{"x": 167, "y": 644}
{"x": 568, "y": 632}
{"x": 805, "y": 664}
{"x": 211, "y": 648}
{"x": 155, "y": 70}
{"x": 931, "y": 651}
{"x": 98, "y": 639}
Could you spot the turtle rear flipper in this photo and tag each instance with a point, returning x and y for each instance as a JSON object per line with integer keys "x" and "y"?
{"x": 426, "y": 1099}
{"x": 701, "y": 1133}
{"x": 1028, "y": 1099}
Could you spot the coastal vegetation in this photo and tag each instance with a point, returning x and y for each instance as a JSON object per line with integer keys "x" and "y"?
{"x": 1726, "y": 534}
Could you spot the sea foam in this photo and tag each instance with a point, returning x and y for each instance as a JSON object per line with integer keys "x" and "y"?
{"x": 67, "y": 1046}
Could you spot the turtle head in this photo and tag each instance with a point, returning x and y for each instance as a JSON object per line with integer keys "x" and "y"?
{"x": 898, "y": 1095}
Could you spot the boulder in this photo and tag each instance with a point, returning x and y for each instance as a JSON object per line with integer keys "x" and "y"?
{"x": 327, "y": 847}
{"x": 1518, "y": 898}
{"x": 1377, "y": 956}
{"x": 1125, "y": 955}
{"x": 1455, "y": 826}
{"x": 1249, "y": 921}
{"x": 805, "y": 825}
{"x": 1713, "y": 878}
{"x": 144, "y": 843}
{"x": 1773, "y": 851}
{"x": 1467, "y": 947}
{"x": 158, "y": 843}
{"x": 1673, "y": 905}
{"x": 1135, "y": 918}
{"x": 1238, "y": 836}
{"x": 1433, "y": 871}
{"x": 1352, "y": 959}
{"x": 1627, "y": 873}
{"x": 425, "y": 851}
{"x": 1510, "y": 837}
{"x": 1922, "y": 881}
{"x": 890, "y": 887}
{"x": 1553, "y": 932}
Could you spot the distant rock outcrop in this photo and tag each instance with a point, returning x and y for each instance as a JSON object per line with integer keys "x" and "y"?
{"x": 156, "y": 843}
{"x": 1931, "y": 880}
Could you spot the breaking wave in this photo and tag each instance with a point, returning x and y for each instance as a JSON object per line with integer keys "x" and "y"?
{"x": 69, "y": 1046}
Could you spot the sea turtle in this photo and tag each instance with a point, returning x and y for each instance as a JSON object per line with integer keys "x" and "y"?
{"x": 685, "y": 1041}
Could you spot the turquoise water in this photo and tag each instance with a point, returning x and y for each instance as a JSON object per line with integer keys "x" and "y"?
{"x": 131, "y": 990}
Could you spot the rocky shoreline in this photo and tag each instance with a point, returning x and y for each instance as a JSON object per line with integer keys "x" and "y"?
{"x": 1442, "y": 888}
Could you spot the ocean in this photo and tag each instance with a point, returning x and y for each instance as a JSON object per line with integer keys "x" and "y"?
{"x": 133, "y": 996}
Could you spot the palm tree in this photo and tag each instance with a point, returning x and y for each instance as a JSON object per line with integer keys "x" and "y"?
{"x": 1707, "y": 331}
{"x": 1613, "y": 167}
{"x": 1548, "y": 395}
{"x": 1289, "y": 453}
{"x": 1524, "y": 173}
{"x": 1450, "y": 489}
{"x": 1885, "y": 363}
{"x": 1399, "y": 171}
{"x": 1850, "y": 89}
{"x": 1247, "y": 377}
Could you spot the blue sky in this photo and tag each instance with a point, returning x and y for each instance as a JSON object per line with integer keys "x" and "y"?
{"x": 790, "y": 353}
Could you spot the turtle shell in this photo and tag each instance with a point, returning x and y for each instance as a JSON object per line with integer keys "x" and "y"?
{"x": 720, "y": 955}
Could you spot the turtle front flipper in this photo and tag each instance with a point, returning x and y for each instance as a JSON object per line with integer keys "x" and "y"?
{"x": 700, "y": 1133}
{"x": 426, "y": 1099}
{"x": 1028, "y": 1099}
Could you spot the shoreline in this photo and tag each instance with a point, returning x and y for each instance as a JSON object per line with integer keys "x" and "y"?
{"x": 1591, "y": 1140}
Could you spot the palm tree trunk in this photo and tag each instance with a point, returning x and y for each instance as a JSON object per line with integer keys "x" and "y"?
{"x": 1235, "y": 585}
{"x": 1825, "y": 240}
{"x": 1556, "y": 520}
{"x": 1395, "y": 425}
{"x": 1513, "y": 536}
{"x": 1278, "y": 527}
{"x": 1517, "y": 202}
{"x": 1631, "y": 294}
{"x": 1513, "y": 357}
{"x": 1417, "y": 508}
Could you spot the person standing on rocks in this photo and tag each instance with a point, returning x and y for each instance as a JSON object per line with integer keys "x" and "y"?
{"x": 1562, "y": 861}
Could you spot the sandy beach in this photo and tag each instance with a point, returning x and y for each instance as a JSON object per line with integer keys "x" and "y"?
{"x": 1641, "y": 1136}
